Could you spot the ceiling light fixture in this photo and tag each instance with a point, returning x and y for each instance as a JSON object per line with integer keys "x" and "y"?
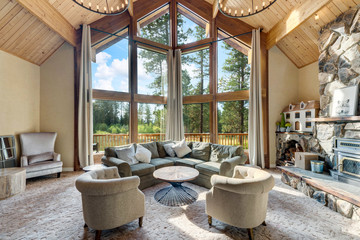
{"x": 316, "y": 16}
{"x": 105, "y": 7}
{"x": 247, "y": 8}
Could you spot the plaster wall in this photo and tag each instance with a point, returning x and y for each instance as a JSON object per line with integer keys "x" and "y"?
{"x": 19, "y": 97}
{"x": 57, "y": 101}
{"x": 308, "y": 84}
{"x": 283, "y": 89}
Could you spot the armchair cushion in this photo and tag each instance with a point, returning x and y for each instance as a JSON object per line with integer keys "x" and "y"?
{"x": 40, "y": 157}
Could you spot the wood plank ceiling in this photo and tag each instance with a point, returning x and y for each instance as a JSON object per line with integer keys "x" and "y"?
{"x": 24, "y": 35}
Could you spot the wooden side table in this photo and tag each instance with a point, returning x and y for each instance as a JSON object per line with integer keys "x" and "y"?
{"x": 12, "y": 181}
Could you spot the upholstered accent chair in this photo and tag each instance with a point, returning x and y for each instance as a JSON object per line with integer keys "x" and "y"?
{"x": 108, "y": 200}
{"x": 38, "y": 155}
{"x": 241, "y": 200}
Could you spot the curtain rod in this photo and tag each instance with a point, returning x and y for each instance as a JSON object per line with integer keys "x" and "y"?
{"x": 218, "y": 40}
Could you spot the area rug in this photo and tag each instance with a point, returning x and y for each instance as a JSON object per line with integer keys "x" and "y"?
{"x": 50, "y": 208}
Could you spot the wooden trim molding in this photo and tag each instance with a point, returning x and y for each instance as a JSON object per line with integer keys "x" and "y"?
{"x": 111, "y": 95}
{"x": 197, "y": 99}
{"x": 233, "y": 96}
{"x": 141, "y": 98}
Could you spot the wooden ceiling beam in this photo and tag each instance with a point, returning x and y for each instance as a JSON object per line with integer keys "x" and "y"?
{"x": 215, "y": 8}
{"x": 44, "y": 11}
{"x": 131, "y": 8}
{"x": 298, "y": 15}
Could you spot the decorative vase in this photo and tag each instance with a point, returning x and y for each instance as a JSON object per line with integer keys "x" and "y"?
{"x": 282, "y": 129}
{"x": 288, "y": 129}
{"x": 278, "y": 128}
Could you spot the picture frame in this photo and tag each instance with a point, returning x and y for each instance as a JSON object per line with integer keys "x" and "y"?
{"x": 345, "y": 102}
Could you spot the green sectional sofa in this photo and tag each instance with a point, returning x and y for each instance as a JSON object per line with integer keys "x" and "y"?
{"x": 207, "y": 158}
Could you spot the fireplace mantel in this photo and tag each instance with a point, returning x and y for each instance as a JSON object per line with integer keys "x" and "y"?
{"x": 296, "y": 133}
{"x": 337, "y": 119}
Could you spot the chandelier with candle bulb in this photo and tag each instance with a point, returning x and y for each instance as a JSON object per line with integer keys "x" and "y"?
{"x": 244, "y": 8}
{"x": 105, "y": 7}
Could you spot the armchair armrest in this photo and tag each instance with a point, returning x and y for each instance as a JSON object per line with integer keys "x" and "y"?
{"x": 24, "y": 161}
{"x": 101, "y": 187}
{"x": 244, "y": 186}
{"x": 57, "y": 156}
{"x": 228, "y": 165}
{"x": 123, "y": 167}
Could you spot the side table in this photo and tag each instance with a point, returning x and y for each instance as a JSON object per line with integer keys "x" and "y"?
{"x": 94, "y": 167}
{"x": 12, "y": 181}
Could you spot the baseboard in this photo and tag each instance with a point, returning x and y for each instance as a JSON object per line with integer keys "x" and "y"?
{"x": 68, "y": 169}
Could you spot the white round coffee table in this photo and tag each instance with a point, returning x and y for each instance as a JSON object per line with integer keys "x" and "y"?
{"x": 176, "y": 194}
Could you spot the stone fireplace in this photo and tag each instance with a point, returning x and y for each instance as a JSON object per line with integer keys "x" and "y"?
{"x": 339, "y": 66}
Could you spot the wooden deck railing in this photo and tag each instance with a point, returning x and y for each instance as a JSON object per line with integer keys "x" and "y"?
{"x": 109, "y": 140}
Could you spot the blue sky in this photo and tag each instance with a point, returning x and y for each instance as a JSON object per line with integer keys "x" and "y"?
{"x": 110, "y": 72}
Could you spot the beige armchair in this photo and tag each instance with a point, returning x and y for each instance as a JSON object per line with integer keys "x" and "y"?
{"x": 241, "y": 200}
{"x": 38, "y": 155}
{"x": 110, "y": 201}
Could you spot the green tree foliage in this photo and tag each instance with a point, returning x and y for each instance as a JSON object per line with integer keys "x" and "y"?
{"x": 110, "y": 117}
{"x": 233, "y": 118}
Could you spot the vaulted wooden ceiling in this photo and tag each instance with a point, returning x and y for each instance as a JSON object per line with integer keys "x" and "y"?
{"x": 35, "y": 29}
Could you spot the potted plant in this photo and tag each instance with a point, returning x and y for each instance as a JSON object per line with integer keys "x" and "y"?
{"x": 278, "y": 126}
{"x": 288, "y": 126}
{"x": 282, "y": 123}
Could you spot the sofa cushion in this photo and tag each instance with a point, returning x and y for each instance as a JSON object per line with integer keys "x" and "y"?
{"x": 190, "y": 162}
{"x": 161, "y": 162}
{"x": 222, "y": 152}
{"x": 160, "y": 148}
{"x": 151, "y": 146}
{"x": 208, "y": 168}
{"x": 40, "y": 157}
{"x": 142, "y": 169}
{"x": 174, "y": 159}
{"x": 200, "y": 150}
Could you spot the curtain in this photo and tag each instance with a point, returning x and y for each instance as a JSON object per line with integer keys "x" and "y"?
{"x": 256, "y": 136}
{"x": 175, "y": 123}
{"x": 85, "y": 118}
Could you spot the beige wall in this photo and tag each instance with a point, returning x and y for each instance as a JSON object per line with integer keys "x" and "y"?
{"x": 283, "y": 89}
{"x": 308, "y": 85}
{"x": 19, "y": 96}
{"x": 57, "y": 101}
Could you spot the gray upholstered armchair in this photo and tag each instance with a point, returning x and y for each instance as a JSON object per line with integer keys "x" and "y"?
{"x": 38, "y": 156}
{"x": 241, "y": 200}
{"x": 108, "y": 200}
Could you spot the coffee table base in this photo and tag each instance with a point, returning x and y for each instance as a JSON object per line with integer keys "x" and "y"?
{"x": 176, "y": 195}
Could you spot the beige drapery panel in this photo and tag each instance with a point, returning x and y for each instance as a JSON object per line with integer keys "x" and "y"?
{"x": 256, "y": 135}
{"x": 175, "y": 123}
{"x": 85, "y": 118}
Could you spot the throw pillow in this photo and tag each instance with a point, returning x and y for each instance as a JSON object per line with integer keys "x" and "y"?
{"x": 152, "y": 148}
{"x": 169, "y": 150}
{"x": 200, "y": 150}
{"x": 143, "y": 154}
{"x": 161, "y": 149}
{"x": 181, "y": 148}
{"x": 127, "y": 154}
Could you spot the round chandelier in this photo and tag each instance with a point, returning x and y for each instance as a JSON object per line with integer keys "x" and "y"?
{"x": 105, "y": 7}
{"x": 244, "y": 8}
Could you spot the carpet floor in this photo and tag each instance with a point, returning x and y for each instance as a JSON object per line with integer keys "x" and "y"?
{"x": 50, "y": 208}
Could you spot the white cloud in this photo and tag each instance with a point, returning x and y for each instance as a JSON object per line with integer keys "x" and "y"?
{"x": 102, "y": 57}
